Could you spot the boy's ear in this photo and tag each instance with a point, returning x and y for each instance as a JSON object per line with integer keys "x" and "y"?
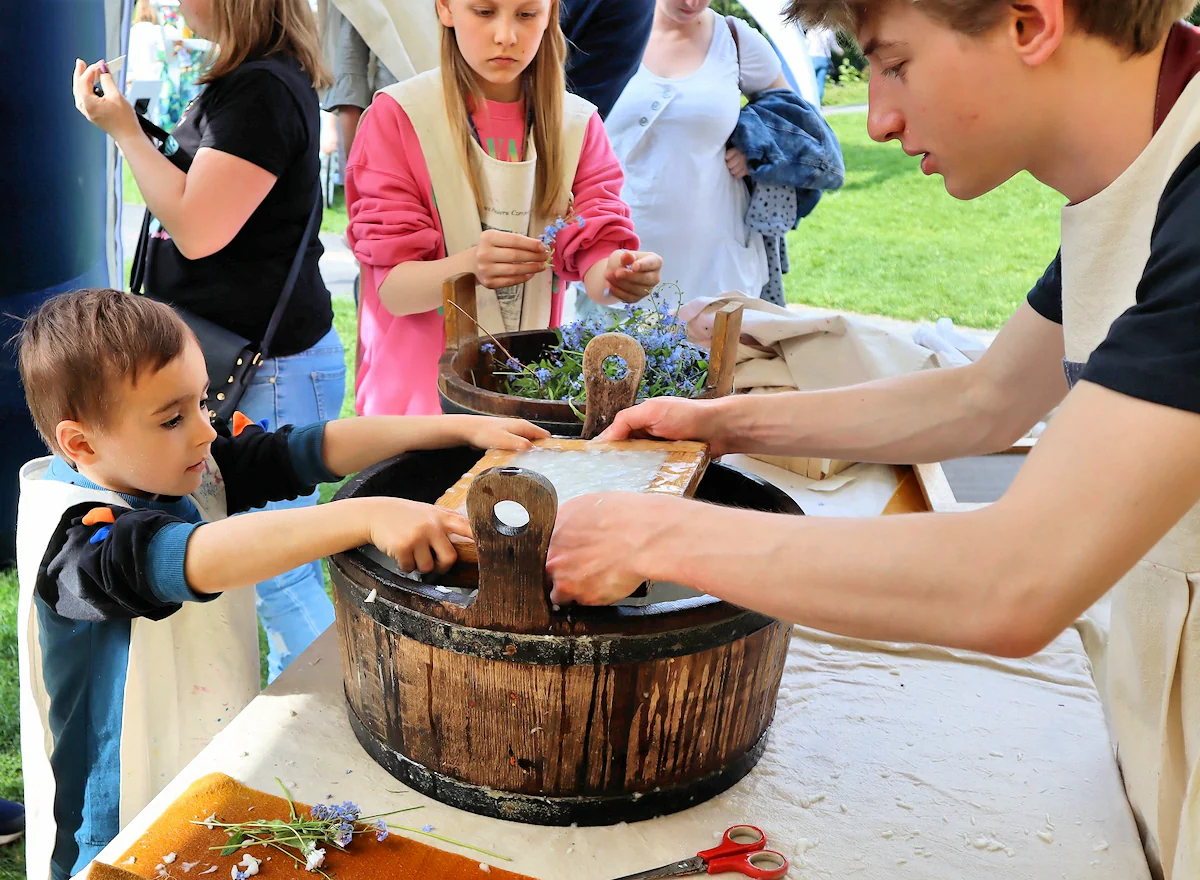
{"x": 75, "y": 441}
{"x": 1037, "y": 28}
{"x": 445, "y": 16}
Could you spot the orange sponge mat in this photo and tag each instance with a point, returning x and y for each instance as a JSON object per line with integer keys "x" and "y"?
{"x": 397, "y": 858}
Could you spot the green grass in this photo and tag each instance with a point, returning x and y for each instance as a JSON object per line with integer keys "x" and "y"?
{"x": 892, "y": 242}
{"x": 12, "y": 858}
{"x": 333, "y": 220}
{"x": 837, "y": 95}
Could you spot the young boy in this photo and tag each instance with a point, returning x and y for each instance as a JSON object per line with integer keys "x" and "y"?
{"x": 1099, "y": 99}
{"x": 131, "y": 658}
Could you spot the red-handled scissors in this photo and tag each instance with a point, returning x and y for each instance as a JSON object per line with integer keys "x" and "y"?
{"x": 742, "y": 850}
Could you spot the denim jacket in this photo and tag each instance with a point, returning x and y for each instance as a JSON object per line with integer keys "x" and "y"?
{"x": 793, "y": 157}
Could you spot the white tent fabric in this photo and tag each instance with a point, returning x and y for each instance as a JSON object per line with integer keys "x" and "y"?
{"x": 789, "y": 39}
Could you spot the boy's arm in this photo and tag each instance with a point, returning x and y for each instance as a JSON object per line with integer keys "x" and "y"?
{"x": 113, "y": 563}
{"x": 258, "y": 466}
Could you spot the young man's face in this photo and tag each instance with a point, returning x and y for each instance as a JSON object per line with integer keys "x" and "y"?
{"x": 158, "y": 439}
{"x": 950, "y": 98}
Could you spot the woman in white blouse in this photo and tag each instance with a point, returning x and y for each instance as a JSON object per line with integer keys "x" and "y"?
{"x": 670, "y": 129}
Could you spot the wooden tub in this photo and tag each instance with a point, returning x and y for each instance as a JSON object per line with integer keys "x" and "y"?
{"x": 498, "y": 703}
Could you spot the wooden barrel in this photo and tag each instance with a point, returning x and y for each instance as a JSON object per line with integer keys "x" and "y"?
{"x": 467, "y": 384}
{"x": 497, "y": 703}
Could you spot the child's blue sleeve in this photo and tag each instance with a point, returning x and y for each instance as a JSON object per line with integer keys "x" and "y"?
{"x": 258, "y": 466}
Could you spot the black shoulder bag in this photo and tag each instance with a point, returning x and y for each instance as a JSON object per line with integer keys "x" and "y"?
{"x": 232, "y": 360}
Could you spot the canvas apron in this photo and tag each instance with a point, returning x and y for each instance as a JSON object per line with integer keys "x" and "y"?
{"x": 188, "y": 675}
{"x": 1149, "y": 665}
{"x": 508, "y": 189}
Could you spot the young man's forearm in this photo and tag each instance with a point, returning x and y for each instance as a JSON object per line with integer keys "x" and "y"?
{"x": 416, "y": 286}
{"x": 245, "y": 550}
{"x": 920, "y": 417}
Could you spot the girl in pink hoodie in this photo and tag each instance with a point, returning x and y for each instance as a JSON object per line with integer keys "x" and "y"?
{"x": 487, "y": 166}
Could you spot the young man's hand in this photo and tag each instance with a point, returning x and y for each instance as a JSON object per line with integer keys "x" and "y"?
{"x": 485, "y": 432}
{"x": 505, "y": 259}
{"x": 416, "y": 535}
{"x": 669, "y": 418}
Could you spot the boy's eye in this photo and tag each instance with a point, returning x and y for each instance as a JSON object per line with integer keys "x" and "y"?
{"x": 173, "y": 423}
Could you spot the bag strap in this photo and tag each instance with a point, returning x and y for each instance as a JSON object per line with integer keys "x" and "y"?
{"x": 737, "y": 46}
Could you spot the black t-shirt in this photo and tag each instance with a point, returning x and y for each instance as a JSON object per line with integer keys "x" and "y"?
{"x": 1152, "y": 352}
{"x": 265, "y": 112}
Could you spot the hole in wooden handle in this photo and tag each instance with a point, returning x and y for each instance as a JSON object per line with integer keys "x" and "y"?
{"x": 511, "y": 518}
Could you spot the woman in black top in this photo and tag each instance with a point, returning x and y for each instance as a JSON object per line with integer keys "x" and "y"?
{"x": 230, "y": 208}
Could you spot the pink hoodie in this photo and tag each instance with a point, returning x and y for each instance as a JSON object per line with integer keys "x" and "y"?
{"x": 389, "y": 198}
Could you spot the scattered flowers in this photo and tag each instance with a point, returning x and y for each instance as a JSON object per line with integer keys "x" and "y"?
{"x": 334, "y": 825}
{"x": 550, "y": 233}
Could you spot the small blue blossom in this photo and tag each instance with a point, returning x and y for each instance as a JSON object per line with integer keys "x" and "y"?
{"x": 321, "y": 812}
{"x": 427, "y": 828}
{"x": 580, "y": 221}
{"x": 381, "y": 831}
{"x": 513, "y": 364}
{"x": 241, "y": 875}
{"x": 488, "y": 348}
{"x": 543, "y": 375}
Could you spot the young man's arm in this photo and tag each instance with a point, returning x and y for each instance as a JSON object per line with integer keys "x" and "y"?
{"x": 1109, "y": 478}
{"x": 920, "y": 417}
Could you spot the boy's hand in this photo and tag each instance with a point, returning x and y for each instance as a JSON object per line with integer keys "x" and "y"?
{"x": 485, "y": 432}
{"x": 416, "y": 535}
{"x": 631, "y": 275}
{"x": 504, "y": 259}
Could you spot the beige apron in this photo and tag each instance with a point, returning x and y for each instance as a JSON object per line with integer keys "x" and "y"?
{"x": 188, "y": 675}
{"x": 1150, "y": 666}
{"x": 508, "y": 195}
{"x": 404, "y": 34}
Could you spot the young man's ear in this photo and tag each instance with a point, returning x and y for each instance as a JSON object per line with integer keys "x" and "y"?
{"x": 75, "y": 441}
{"x": 1036, "y": 28}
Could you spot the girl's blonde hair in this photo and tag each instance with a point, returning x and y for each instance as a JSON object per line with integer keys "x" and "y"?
{"x": 252, "y": 28}
{"x": 1134, "y": 25}
{"x": 144, "y": 12}
{"x": 544, "y": 85}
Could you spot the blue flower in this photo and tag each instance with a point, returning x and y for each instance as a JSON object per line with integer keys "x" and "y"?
{"x": 427, "y": 828}
{"x": 348, "y": 811}
{"x": 321, "y": 812}
{"x": 581, "y": 223}
{"x": 381, "y": 831}
{"x": 488, "y": 348}
{"x": 543, "y": 375}
{"x": 559, "y": 223}
{"x": 551, "y": 231}
{"x": 240, "y": 875}
{"x": 513, "y": 364}
{"x": 344, "y": 838}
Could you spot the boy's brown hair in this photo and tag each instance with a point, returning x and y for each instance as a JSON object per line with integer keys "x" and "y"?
{"x": 78, "y": 349}
{"x": 1134, "y": 25}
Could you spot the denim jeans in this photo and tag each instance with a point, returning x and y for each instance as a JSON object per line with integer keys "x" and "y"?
{"x": 296, "y": 390}
{"x": 821, "y": 67}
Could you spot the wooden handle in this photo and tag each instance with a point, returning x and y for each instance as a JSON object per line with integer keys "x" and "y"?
{"x": 722, "y": 355}
{"x": 606, "y": 397}
{"x": 461, "y": 329}
{"x": 513, "y": 593}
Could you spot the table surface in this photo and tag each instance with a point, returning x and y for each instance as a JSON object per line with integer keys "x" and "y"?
{"x": 884, "y": 761}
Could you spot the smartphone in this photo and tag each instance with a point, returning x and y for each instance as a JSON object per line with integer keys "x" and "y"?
{"x": 114, "y": 68}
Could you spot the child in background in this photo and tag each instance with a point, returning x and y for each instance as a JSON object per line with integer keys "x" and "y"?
{"x": 460, "y": 170}
{"x": 131, "y": 659}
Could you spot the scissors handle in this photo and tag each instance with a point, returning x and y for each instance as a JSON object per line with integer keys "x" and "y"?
{"x": 737, "y": 840}
{"x": 763, "y": 864}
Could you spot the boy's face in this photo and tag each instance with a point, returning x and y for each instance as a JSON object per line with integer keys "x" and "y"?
{"x": 157, "y": 441}
{"x": 958, "y": 101}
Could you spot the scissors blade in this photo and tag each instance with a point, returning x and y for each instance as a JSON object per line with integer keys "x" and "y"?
{"x": 686, "y": 868}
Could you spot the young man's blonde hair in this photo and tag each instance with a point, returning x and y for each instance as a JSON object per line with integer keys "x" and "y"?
{"x": 1134, "y": 25}
{"x": 544, "y": 83}
{"x": 77, "y": 351}
{"x": 247, "y": 29}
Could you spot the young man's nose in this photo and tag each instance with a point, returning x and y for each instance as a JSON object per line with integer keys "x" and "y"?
{"x": 884, "y": 121}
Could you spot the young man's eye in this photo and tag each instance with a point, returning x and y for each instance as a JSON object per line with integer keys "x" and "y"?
{"x": 896, "y": 71}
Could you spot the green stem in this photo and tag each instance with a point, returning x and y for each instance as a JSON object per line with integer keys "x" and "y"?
{"x": 450, "y": 840}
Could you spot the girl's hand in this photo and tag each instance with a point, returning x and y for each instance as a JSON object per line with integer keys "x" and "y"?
{"x": 505, "y": 259}
{"x": 416, "y": 535}
{"x": 485, "y": 432}
{"x": 735, "y": 161}
{"x": 631, "y": 275}
{"x": 112, "y": 114}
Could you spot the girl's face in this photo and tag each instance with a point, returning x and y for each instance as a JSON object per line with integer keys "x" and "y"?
{"x": 497, "y": 38}
{"x": 682, "y": 11}
{"x": 199, "y": 15}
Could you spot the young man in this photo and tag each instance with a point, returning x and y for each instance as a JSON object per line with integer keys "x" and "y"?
{"x": 1099, "y": 99}
{"x": 131, "y": 658}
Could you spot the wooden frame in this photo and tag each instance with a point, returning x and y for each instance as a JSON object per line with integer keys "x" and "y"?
{"x": 939, "y": 494}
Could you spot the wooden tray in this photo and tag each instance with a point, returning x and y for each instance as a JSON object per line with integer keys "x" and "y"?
{"x": 678, "y": 475}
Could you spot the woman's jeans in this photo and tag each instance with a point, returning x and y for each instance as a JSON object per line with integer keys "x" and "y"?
{"x": 296, "y": 390}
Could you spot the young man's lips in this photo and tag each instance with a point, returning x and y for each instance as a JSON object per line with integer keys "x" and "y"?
{"x": 927, "y": 164}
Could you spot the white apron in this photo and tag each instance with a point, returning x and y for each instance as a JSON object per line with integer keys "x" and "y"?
{"x": 188, "y": 675}
{"x": 1150, "y": 667}
{"x": 404, "y": 34}
{"x": 508, "y": 190}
